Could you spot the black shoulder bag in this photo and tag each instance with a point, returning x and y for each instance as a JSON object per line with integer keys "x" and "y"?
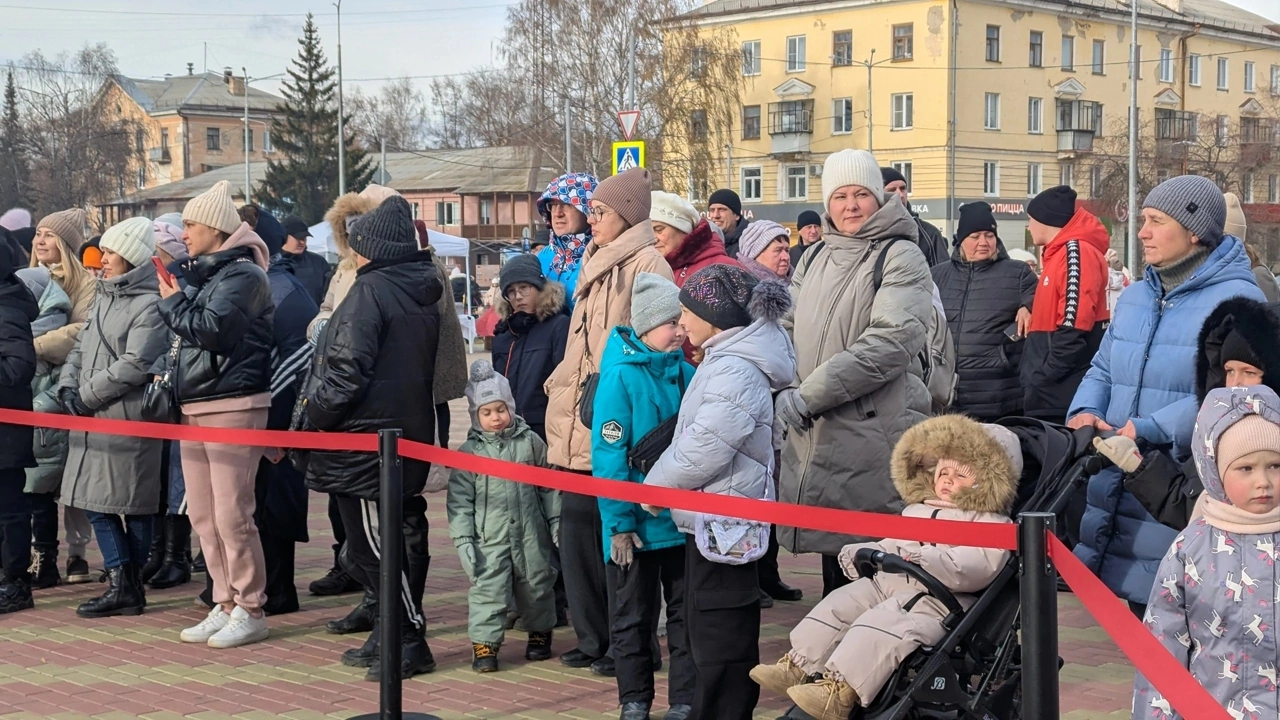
{"x": 645, "y": 453}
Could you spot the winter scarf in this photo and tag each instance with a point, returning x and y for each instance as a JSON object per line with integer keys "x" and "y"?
{"x": 575, "y": 190}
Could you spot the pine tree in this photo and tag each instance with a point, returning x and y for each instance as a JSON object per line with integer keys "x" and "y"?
{"x": 14, "y": 171}
{"x": 305, "y": 181}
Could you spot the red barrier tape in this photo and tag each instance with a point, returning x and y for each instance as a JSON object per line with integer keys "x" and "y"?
{"x": 1183, "y": 692}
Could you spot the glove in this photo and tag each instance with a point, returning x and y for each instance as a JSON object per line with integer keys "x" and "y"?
{"x": 790, "y": 408}
{"x": 623, "y": 548}
{"x": 1120, "y": 450}
{"x": 467, "y": 556}
{"x": 71, "y": 402}
{"x": 1113, "y": 260}
{"x": 555, "y": 532}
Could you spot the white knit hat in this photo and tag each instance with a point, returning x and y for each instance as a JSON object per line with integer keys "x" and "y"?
{"x": 851, "y": 167}
{"x": 671, "y": 209}
{"x": 134, "y": 240}
{"x": 214, "y": 208}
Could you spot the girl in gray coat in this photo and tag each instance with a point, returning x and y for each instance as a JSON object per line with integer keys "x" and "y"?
{"x": 110, "y": 476}
{"x": 724, "y": 446}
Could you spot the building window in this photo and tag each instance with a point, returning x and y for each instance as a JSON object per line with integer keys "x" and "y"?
{"x": 142, "y": 177}
{"x": 903, "y": 111}
{"x": 904, "y": 167}
{"x": 698, "y": 125}
{"x": 1035, "y": 177}
{"x": 1095, "y": 181}
{"x": 1099, "y": 57}
{"x": 991, "y": 178}
{"x": 213, "y": 139}
{"x": 797, "y": 182}
{"x": 903, "y": 41}
{"x": 841, "y": 116}
{"x": 1035, "y": 116}
{"x": 751, "y": 57}
{"x": 1248, "y": 77}
{"x": 752, "y": 183}
{"x": 1275, "y": 79}
{"x": 1193, "y": 70}
{"x": 1166, "y": 65}
{"x": 1036, "y": 51}
{"x": 795, "y": 53}
{"x": 751, "y": 122}
{"x": 993, "y": 43}
{"x": 792, "y": 116}
{"x": 1223, "y": 68}
{"x": 991, "y": 115}
{"x": 249, "y": 141}
{"x": 446, "y": 213}
{"x": 1068, "y": 53}
{"x": 1136, "y": 60}
{"x": 698, "y": 62}
{"x": 486, "y": 212}
{"x": 1067, "y": 174}
{"x": 1246, "y": 188}
{"x": 1161, "y": 175}
{"x": 266, "y": 142}
{"x": 1221, "y": 130}
{"x": 1273, "y": 188}
{"x": 842, "y": 48}
{"x": 139, "y": 140}
{"x": 164, "y": 138}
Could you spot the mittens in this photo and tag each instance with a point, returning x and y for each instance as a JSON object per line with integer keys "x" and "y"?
{"x": 790, "y": 408}
{"x": 467, "y": 556}
{"x": 1120, "y": 450}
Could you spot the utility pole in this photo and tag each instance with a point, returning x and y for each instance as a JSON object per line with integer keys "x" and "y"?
{"x": 248, "y": 192}
{"x": 342, "y": 134}
{"x": 383, "y": 143}
{"x": 871, "y": 125}
{"x": 1132, "y": 238}
{"x": 631, "y": 71}
{"x": 568, "y": 135}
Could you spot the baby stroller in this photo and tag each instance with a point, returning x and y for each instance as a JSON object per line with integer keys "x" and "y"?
{"x": 975, "y": 672}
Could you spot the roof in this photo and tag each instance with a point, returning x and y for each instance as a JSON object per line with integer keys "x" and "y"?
{"x": 1215, "y": 13}
{"x": 188, "y": 188}
{"x": 182, "y": 92}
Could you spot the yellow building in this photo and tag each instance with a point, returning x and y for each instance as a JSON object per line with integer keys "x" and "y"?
{"x": 999, "y": 99}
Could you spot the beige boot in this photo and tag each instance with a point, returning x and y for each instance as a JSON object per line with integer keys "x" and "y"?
{"x": 779, "y": 677}
{"x": 827, "y": 699}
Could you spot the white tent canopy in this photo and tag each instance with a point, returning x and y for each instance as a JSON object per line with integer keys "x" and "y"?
{"x": 321, "y": 241}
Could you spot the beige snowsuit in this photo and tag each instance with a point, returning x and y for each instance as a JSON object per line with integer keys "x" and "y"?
{"x": 862, "y": 631}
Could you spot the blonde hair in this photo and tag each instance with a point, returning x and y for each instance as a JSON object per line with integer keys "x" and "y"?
{"x": 75, "y": 276}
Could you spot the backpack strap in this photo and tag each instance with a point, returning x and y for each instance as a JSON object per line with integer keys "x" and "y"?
{"x": 877, "y": 273}
{"x": 807, "y": 258}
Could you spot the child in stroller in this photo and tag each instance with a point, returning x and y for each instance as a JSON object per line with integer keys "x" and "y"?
{"x": 950, "y": 468}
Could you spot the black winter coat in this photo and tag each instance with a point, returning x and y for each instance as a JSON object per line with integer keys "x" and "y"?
{"x": 313, "y": 271}
{"x": 982, "y": 301}
{"x": 225, "y": 321}
{"x": 18, "y": 309}
{"x": 527, "y": 348}
{"x": 733, "y": 237}
{"x": 375, "y": 371}
{"x": 931, "y": 242}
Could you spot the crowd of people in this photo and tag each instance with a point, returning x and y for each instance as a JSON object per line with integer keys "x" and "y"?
{"x": 862, "y": 365}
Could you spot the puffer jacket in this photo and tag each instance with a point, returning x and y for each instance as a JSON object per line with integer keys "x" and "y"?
{"x": 347, "y": 206}
{"x": 733, "y": 237}
{"x": 857, "y": 352}
{"x": 53, "y": 347}
{"x": 502, "y": 517}
{"x": 50, "y": 446}
{"x": 931, "y": 242}
{"x": 18, "y": 309}
{"x": 640, "y": 389}
{"x": 701, "y": 247}
{"x": 528, "y": 347}
{"x": 724, "y": 435}
{"x": 603, "y": 303}
{"x": 224, "y": 322}
{"x": 1213, "y": 604}
{"x": 982, "y": 300}
{"x": 110, "y": 368}
{"x": 1144, "y": 371}
{"x": 373, "y": 370}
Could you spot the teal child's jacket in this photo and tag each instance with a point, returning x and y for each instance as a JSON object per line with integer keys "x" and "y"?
{"x": 639, "y": 388}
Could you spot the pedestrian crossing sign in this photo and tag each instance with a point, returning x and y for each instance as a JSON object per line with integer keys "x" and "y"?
{"x": 627, "y": 156}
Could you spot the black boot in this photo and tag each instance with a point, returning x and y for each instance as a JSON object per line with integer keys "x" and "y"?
{"x": 155, "y": 559}
{"x": 44, "y": 566}
{"x": 415, "y": 656}
{"x": 334, "y": 582}
{"x": 197, "y": 563}
{"x": 137, "y": 583}
{"x": 484, "y": 657}
{"x": 15, "y": 594}
{"x": 365, "y": 655}
{"x": 121, "y": 598}
{"x": 176, "y": 567}
{"x": 360, "y": 619}
{"x": 538, "y": 647}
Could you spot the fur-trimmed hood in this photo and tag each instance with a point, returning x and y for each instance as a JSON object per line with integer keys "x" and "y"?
{"x": 992, "y": 451}
{"x": 551, "y": 302}
{"x": 1257, "y": 323}
{"x": 343, "y": 208}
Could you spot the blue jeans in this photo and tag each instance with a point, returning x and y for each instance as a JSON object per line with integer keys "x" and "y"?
{"x": 124, "y": 542}
{"x": 177, "y": 485}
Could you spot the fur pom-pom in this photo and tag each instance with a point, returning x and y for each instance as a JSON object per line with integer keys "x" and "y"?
{"x": 770, "y": 301}
{"x": 481, "y": 370}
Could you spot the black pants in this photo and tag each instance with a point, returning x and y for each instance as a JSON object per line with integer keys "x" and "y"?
{"x": 442, "y": 424}
{"x": 582, "y": 555}
{"x": 43, "y": 508}
{"x": 15, "y": 524}
{"x": 638, "y": 591}
{"x": 414, "y": 512}
{"x": 363, "y": 552}
{"x": 767, "y": 566}
{"x": 833, "y": 577}
{"x": 722, "y": 619}
{"x": 335, "y": 522}
{"x": 282, "y": 592}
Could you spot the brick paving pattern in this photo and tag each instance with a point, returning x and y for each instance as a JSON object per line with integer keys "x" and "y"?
{"x": 55, "y": 665}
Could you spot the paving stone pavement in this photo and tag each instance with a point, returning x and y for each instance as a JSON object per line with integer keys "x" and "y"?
{"x": 55, "y": 665}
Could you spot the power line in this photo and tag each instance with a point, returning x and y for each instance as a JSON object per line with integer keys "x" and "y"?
{"x": 133, "y": 13}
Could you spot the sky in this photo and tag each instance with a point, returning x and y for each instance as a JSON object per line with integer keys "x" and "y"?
{"x": 382, "y": 39}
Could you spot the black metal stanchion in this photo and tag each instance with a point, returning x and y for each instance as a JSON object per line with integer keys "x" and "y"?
{"x": 391, "y": 537}
{"x": 1038, "y": 590}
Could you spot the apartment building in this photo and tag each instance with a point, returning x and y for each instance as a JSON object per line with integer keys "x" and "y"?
{"x": 996, "y": 100}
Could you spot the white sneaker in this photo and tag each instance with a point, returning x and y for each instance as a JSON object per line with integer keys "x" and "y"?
{"x": 208, "y": 627}
{"x": 243, "y": 629}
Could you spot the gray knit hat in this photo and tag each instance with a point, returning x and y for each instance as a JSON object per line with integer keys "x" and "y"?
{"x": 386, "y": 232}
{"x": 758, "y": 235}
{"x": 1195, "y": 202}
{"x": 522, "y": 269}
{"x": 486, "y": 386}
{"x": 654, "y": 300}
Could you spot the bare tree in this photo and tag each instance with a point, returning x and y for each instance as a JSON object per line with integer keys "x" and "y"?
{"x": 397, "y": 114}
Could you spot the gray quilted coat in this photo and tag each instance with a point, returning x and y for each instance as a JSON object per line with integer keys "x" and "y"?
{"x": 110, "y": 366}
{"x": 724, "y": 434}
{"x": 49, "y": 445}
{"x": 1217, "y": 594}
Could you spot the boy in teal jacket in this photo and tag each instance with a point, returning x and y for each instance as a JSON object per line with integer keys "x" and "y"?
{"x": 643, "y": 375}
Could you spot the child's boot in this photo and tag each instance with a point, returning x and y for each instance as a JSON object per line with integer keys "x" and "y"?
{"x": 539, "y": 647}
{"x": 827, "y": 699}
{"x": 779, "y": 677}
{"x": 484, "y": 657}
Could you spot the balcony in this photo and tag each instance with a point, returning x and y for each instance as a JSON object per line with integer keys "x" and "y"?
{"x": 159, "y": 155}
{"x": 1079, "y": 121}
{"x": 790, "y": 126}
{"x": 1257, "y": 136}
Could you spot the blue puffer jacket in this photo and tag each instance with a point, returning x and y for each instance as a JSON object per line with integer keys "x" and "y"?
{"x": 1145, "y": 371}
{"x": 639, "y": 389}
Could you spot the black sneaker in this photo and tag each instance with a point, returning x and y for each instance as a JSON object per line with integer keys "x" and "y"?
{"x": 782, "y": 591}
{"x": 77, "y": 570}
{"x": 365, "y": 655}
{"x": 44, "y": 568}
{"x": 634, "y": 711}
{"x": 604, "y": 667}
{"x": 360, "y": 619}
{"x": 15, "y": 594}
{"x": 575, "y": 658}
{"x": 484, "y": 657}
{"x": 766, "y": 602}
{"x": 335, "y": 582}
{"x": 678, "y": 712}
{"x": 539, "y": 647}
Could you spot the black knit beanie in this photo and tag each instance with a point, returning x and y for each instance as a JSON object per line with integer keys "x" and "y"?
{"x": 1054, "y": 207}
{"x": 1236, "y": 347}
{"x": 727, "y": 198}
{"x": 721, "y": 295}
{"x": 386, "y": 232}
{"x": 974, "y": 217}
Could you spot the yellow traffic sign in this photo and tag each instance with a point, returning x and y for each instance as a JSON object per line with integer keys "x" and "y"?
{"x": 627, "y": 156}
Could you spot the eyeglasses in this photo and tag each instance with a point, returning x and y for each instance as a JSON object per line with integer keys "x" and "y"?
{"x": 598, "y": 213}
{"x": 518, "y": 291}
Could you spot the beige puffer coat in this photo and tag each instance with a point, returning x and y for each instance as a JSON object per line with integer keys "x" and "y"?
{"x": 603, "y": 301}
{"x": 345, "y": 275}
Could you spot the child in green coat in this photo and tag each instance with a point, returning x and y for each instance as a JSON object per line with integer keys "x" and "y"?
{"x": 643, "y": 375}
{"x": 504, "y": 530}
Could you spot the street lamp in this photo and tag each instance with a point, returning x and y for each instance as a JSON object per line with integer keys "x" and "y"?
{"x": 248, "y": 189}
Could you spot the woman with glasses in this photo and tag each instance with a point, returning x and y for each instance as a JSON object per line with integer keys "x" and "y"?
{"x": 622, "y": 247}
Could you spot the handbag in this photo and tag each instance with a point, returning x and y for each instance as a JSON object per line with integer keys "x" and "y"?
{"x": 732, "y": 541}
{"x": 160, "y": 397}
{"x": 299, "y": 421}
{"x": 645, "y": 453}
{"x": 587, "y": 388}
